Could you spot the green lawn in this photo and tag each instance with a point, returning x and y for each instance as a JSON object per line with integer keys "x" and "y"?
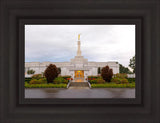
{"x": 50, "y": 85}
{"x": 113, "y": 85}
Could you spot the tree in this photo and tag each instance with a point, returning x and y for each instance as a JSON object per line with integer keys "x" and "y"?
{"x": 132, "y": 64}
{"x": 30, "y": 72}
{"x": 59, "y": 70}
{"x": 123, "y": 69}
{"x": 51, "y": 73}
{"x": 107, "y": 73}
{"x": 99, "y": 70}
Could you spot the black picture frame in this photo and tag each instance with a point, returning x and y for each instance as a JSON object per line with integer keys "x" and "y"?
{"x": 144, "y": 108}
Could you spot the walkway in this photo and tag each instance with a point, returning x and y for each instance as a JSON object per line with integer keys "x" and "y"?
{"x": 80, "y": 92}
{"x": 79, "y": 80}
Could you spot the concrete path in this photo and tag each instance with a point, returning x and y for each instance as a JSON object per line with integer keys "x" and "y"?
{"x": 79, "y": 80}
{"x": 80, "y": 92}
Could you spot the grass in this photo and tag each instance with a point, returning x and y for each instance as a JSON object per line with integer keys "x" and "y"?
{"x": 113, "y": 85}
{"x": 50, "y": 85}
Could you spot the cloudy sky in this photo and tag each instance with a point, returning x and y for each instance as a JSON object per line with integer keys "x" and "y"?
{"x": 58, "y": 43}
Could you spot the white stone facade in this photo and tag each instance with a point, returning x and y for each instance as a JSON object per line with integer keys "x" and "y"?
{"x": 68, "y": 68}
{"x": 79, "y": 63}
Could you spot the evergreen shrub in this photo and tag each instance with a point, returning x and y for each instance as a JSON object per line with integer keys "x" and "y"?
{"x": 37, "y": 76}
{"x": 59, "y": 80}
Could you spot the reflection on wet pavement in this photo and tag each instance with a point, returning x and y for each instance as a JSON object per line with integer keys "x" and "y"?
{"x": 80, "y": 92}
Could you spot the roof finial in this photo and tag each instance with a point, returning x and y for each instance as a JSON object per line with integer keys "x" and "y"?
{"x": 79, "y": 37}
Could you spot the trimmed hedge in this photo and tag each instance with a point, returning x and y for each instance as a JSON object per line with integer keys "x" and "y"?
{"x": 65, "y": 77}
{"x": 37, "y": 76}
{"x": 50, "y": 85}
{"x": 90, "y": 78}
{"x": 113, "y": 85}
{"x": 38, "y": 81}
{"x": 97, "y": 81}
{"x": 28, "y": 79}
{"x": 120, "y": 75}
{"x": 119, "y": 80}
{"x": 131, "y": 80}
{"x": 95, "y": 77}
{"x": 60, "y": 80}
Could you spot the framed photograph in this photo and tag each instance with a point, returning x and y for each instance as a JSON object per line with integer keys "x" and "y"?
{"x": 51, "y": 71}
{"x": 72, "y": 61}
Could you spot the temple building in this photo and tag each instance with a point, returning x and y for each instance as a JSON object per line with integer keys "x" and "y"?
{"x": 78, "y": 67}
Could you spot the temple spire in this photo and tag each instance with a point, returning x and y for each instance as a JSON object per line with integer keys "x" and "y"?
{"x": 79, "y": 44}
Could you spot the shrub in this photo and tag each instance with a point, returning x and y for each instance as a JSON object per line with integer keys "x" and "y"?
{"x": 44, "y": 80}
{"x": 37, "y": 76}
{"x": 39, "y": 81}
{"x": 100, "y": 81}
{"x": 30, "y": 72}
{"x": 65, "y": 77}
{"x": 93, "y": 78}
{"x": 93, "y": 81}
{"x": 131, "y": 80}
{"x": 28, "y": 79}
{"x": 51, "y": 73}
{"x": 99, "y": 70}
{"x": 121, "y": 75}
{"x": 107, "y": 73}
{"x": 97, "y": 81}
{"x": 119, "y": 80}
{"x": 59, "y": 80}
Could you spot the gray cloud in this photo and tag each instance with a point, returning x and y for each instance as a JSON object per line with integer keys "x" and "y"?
{"x": 101, "y": 43}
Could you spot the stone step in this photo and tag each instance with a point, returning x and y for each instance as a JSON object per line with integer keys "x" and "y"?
{"x": 79, "y": 84}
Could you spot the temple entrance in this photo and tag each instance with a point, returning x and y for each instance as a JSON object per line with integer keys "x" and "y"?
{"x": 79, "y": 76}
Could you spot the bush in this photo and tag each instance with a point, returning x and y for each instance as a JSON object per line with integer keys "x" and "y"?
{"x": 59, "y": 70}
{"x": 59, "y": 80}
{"x": 100, "y": 81}
{"x": 131, "y": 80}
{"x": 37, "y": 76}
{"x": 38, "y": 81}
{"x": 65, "y": 77}
{"x": 51, "y": 73}
{"x": 97, "y": 81}
{"x": 28, "y": 79}
{"x": 44, "y": 80}
{"x": 30, "y": 72}
{"x": 93, "y": 78}
{"x": 107, "y": 73}
{"x": 93, "y": 81}
{"x": 119, "y": 80}
{"x": 121, "y": 75}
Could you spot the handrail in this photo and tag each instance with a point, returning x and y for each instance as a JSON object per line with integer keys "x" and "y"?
{"x": 89, "y": 85}
{"x": 68, "y": 84}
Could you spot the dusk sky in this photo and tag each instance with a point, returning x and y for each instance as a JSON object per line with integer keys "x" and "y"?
{"x": 58, "y": 43}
